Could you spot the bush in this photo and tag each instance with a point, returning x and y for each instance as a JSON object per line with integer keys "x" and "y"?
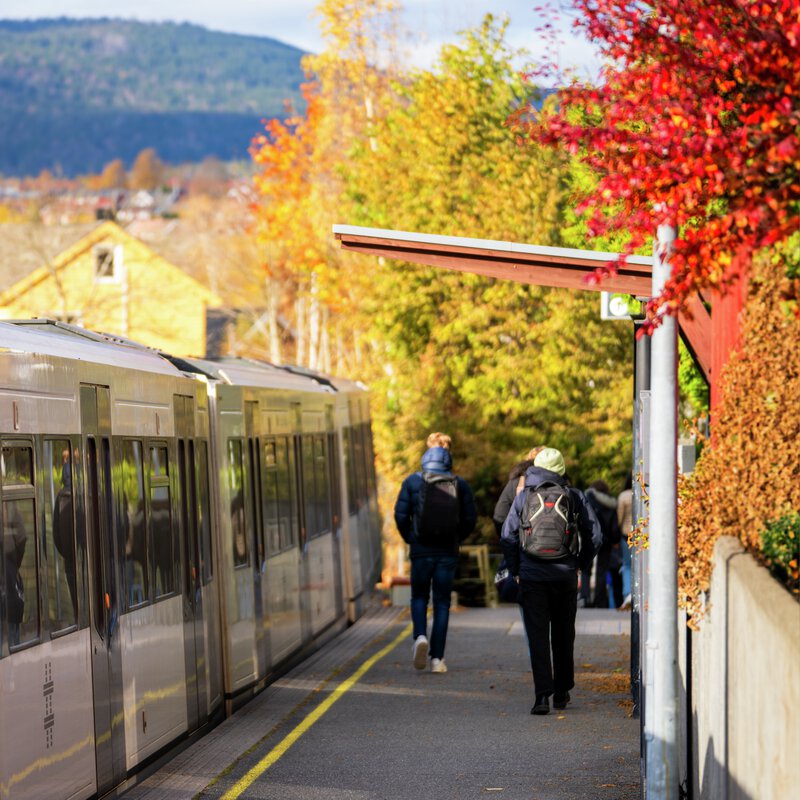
{"x": 780, "y": 547}
{"x": 751, "y": 472}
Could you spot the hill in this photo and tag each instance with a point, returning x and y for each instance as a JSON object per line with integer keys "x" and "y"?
{"x": 78, "y": 93}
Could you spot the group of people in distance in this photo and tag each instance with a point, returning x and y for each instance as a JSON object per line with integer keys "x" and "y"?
{"x": 550, "y": 533}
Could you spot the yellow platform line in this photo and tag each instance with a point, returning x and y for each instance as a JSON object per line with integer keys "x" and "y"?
{"x": 278, "y": 751}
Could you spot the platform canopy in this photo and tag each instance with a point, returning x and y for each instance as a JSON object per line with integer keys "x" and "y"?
{"x": 558, "y": 267}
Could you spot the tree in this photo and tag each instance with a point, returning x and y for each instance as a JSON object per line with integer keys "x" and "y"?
{"x": 147, "y": 171}
{"x": 112, "y": 176}
{"x": 301, "y": 189}
{"x": 503, "y": 365}
{"x": 693, "y": 123}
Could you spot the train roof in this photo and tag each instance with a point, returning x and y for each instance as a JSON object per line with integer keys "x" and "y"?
{"x": 42, "y": 336}
{"x": 339, "y": 384}
{"x": 48, "y": 337}
{"x": 237, "y": 371}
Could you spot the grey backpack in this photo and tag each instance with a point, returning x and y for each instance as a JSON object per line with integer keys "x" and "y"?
{"x": 548, "y": 524}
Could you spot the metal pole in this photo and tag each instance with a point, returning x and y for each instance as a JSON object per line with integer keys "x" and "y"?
{"x": 661, "y": 713}
{"x": 641, "y": 383}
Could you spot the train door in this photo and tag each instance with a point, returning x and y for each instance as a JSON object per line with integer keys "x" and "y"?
{"x": 193, "y": 624}
{"x": 106, "y": 655}
{"x": 253, "y": 513}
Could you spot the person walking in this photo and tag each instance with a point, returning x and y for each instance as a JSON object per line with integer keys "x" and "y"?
{"x": 434, "y": 513}
{"x": 550, "y": 532}
{"x": 625, "y": 520}
{"x": 609, "y": 557}
{"x": 514, "y": 485}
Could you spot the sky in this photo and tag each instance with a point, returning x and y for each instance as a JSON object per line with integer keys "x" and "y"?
{"x": 430, "y": 22}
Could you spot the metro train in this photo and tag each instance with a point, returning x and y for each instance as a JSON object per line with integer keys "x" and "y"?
{"x": 175, "y": 534}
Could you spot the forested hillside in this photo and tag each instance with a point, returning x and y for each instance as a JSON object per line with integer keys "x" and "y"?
{"x": 78, "y": 93}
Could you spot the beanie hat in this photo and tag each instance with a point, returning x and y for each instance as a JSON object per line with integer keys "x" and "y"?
{"x": 551, "y": 459}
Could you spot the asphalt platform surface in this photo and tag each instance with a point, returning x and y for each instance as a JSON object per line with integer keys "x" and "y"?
{"x": 356, "y": 721}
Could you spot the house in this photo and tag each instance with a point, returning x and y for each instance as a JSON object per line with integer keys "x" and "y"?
{"x": 110, "y": 281}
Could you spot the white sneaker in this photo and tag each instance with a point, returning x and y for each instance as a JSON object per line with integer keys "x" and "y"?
{"x": 438, "y": 665}
{"x": 420, "y": 652}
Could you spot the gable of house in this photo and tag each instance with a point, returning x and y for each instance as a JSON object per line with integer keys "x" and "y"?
{"x": 111, "y": 281}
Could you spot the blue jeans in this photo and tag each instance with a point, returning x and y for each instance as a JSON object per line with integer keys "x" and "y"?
{"x": 436, "y": 571}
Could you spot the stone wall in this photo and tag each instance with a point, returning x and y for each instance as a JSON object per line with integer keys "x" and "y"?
{"x": 744, "y": 685}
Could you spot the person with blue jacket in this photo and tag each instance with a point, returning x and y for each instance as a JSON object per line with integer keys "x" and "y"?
{"x": 434, "y": 555}
{"x": 549, "y": 586}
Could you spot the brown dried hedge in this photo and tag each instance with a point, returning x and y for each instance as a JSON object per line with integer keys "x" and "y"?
{"x": 751, "y": 475}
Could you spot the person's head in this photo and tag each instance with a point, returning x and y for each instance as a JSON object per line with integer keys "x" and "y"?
{"x": 600, "y": 486}
{"x": 628, "y": 481}
{"x": 520, "y": 468}
{"x": 438, "y": 440}
{"x": 550, "y": 458}
{"x": 534, "y": 451}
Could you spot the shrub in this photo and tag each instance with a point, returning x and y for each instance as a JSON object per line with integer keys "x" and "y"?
{"x": 780, "y": 548}
{"x": 751, "y": 473}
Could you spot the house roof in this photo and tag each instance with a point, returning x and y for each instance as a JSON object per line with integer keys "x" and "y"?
{"x": 49, "y": 263}
{"x": 26, "y": 246}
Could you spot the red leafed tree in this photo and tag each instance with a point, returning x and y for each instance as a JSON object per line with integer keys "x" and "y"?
{"x": 694, "y": 122}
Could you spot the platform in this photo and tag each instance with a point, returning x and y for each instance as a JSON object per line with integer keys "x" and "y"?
{"x": 356, "y": 721}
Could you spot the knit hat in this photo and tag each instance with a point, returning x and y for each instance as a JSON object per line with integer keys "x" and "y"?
{"x": 551, "y": 459}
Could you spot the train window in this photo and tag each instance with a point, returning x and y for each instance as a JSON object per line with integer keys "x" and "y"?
{"x": 363, "y": 469}
{"x": 241, "y": 554}
{"x": 288, "y": 519}
{"x": 59, "y": 539}
{"x": 19, "y": 545}
{"x": 17, "y": 466}
{"x": 204, "y": 513}
{"x": 309, "y": 486}
{"x": 370, "y": 456}
{"x": 161, "y": 539}
{"x": 359, "y": 480}
{"x": 322, "y": 484}
{"x": 134, "y": 522}
{"x": 269, "y": 496}
{"x": 335, "y": 481}
{"x": 349, "y": 469}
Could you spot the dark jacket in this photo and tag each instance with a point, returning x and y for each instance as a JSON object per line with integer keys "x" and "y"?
{"x": 605, "y": 508}
{"x": 532, "y": 569}
{"x": 438, "y": 460}
{"x": 503, "y": 505}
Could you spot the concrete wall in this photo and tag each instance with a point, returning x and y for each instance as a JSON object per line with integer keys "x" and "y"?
{"x": 745, "y": 684}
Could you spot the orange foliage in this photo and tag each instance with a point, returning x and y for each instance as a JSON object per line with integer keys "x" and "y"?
{"x": 751, "y": 477}
{"x": 294, "y": 184}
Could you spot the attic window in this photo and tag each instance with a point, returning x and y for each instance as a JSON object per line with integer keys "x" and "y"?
{"x": 105, "y": 263}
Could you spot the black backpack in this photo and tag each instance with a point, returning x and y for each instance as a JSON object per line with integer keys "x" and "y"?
{"x": 548, "y": 525}
{"x": 438, "y": 510}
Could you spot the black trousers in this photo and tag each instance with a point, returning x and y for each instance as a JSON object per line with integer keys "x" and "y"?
{"x": 548, "y": 610}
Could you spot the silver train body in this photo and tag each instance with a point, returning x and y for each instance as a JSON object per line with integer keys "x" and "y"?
{"x": 174, "y": 535}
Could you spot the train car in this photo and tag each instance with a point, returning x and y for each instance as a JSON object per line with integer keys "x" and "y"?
{"x": 171, "y": 538}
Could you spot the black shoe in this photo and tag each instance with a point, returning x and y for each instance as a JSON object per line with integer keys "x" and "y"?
{"x": 542, "y": 705}
{"x": 560, "y": 700}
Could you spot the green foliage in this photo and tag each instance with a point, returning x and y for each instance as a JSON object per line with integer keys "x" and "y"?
{"x": 693, "y": 387}
{"x": 89, "y": 85}
{"x": 780, "y": 546}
